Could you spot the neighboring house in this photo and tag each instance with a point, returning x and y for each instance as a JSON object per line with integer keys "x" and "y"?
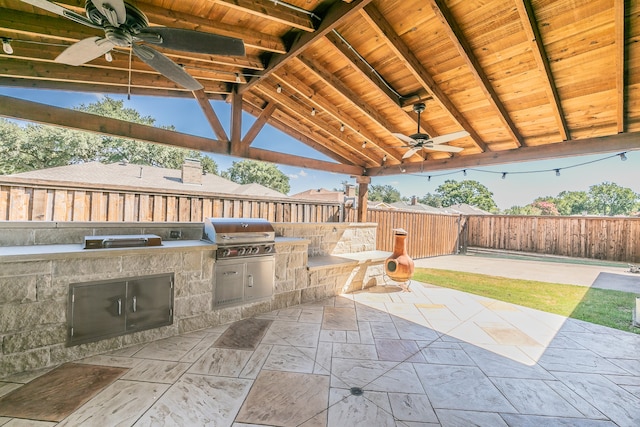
{"x": 413, "y": 205}
{"x": 189, "y": 178}
{"x": 348, "y": 197}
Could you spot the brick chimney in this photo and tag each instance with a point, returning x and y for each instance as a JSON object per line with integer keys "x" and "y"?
{"x": 414, "y": 200}
{"x": 350, "y": 190}
{"x": 192, "y": 172}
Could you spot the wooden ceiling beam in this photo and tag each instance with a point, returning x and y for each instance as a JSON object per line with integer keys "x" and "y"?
{"x": 40, "y": 113}
{"x": 98, "y": 88}
{"x": 302, "y": 162}
{"x": 237, "y": 148}
{"x": 19, "y": 68}
{"x": 605, "y": 144}
{"x": 620, "y": 30}
{"x": 272, "y": 11}
{"x": 463, "y": 47}
{"x": 353, "y": 98}
{"x": 337, "y": 13}
{"x": 291, "y": 126}
{"x": 301, "y": 113}
{"x": 259, "y": 124}
{"x": 292, "y": 83}
{"x": 402, "y": 51}
{"x": 210, "y": 114}
{"x": 530, "y": 24}
{"x": 361, "y": 67}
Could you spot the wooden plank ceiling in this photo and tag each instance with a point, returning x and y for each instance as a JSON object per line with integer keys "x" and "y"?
{"x": 527, "y": 79}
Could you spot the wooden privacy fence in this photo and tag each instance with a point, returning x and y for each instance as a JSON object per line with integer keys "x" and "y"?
{"x": 39, "y": 203}
{"x": 428, "y": 234}
{"x": 613, "y": 239}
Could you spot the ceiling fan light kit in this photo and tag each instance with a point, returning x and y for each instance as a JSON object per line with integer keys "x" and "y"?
{"x": 126, "y": 26}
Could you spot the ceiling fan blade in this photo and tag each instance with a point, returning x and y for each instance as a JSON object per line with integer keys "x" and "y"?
{"x": 59, "y": 10}
{"x": 410, "y": 153}
{"x": 192, "y": 41}
{"x": 405, "y": 138}
{"x": 166, "y": 67}
{"x": 447, "y": 148}
{"x": 113, "y": 10}
{"x": 448, "y": 137}
{"x": 84, "y": 51}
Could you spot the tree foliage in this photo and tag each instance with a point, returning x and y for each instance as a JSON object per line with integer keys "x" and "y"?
{"x": 32, "y": 147}
{"x": 384, "y": 193}
{"x": 251, "y": 171}
{"x": 431, "y": 199}
{"x": 602, "y": 199}
{"x": 609, "y": 198}
{"x": 468, "y": 191}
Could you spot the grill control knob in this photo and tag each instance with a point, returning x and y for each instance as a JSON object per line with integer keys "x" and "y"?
{"x": 241, "y": 251}
{"x": 255, "y": 250}
{"x": 268, "y": 249}
{"x": 226, "y": 252}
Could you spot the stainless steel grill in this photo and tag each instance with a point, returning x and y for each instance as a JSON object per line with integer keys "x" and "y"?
{"x": 245, "y": 261}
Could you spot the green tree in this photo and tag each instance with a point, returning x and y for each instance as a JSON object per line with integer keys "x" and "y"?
{"x": 572, "y": 202}
{"x": 383, "y": 193}
{"x": 609, "y": 198}
{"x": 32, "y": 147}
{"x": 431, "y": 199}
{"x": 468, "y": 191}
{"x": 251, "y": 171}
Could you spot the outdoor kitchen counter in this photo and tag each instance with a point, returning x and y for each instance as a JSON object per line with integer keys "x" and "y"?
{"x": 62, "y": 251}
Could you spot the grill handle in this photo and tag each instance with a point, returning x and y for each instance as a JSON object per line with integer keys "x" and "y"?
{"x": 246, "y": 236}
{"x": 124, "y": 243}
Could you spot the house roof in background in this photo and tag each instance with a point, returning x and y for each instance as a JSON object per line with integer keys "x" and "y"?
{"x": 320, "y": 194}
{"x": 141, "y": 177}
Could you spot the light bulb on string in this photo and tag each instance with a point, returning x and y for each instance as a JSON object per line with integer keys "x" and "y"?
{"x": 313, "y": 111}
{"x": 557, "y": 172}
{"x": 342, "y": 128}
{"x": 364, "y": 144}
{"x": 6, "y": 46}
{"x": 279, "y": 89}
{"x": 504, "y": 175}
{"x": 622, "y": 157}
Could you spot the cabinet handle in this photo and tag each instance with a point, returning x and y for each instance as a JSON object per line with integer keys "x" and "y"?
{"x": 250, "y": 280}
{"x": 230, "y": 273}
{"x": 119, "y": 306}
{"x": 135, "y": 303}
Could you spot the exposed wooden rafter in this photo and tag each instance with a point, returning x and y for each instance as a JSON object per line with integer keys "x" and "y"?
{"x": 210, "y": 114}
{"x": 376, "y": 20}
{"x": 466, "y": 52}
{"x": 620, "y": 26}
{"x": 272, "y": 11}
{"x": 338, "y": 13}
{"x": 530, "y": 24}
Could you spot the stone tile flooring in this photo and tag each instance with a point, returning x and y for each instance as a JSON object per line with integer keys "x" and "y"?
{"x": 431, "y": 357}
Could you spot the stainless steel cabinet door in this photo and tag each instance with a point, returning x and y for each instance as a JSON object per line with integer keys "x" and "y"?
{"x": 149, "y": 302}
{"x": 229, "y": 282}
{"x": 97, "y": 311}
{"x": 259, "y": 280}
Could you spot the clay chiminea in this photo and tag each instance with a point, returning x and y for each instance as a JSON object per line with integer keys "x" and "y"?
{"x": 399, "y": 266}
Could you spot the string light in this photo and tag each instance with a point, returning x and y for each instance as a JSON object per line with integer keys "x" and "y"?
{"x": 384, "y": 158}
{"x": 364, "y": 144}
{"x": 557, "y": 172}
{"x": 504, "y": 175}
{"x": 622, "y": 157}
{"x": 279, "y": 89}
{"x": 464, "y": 171}
{"x": 6, "y": 46}
{"x": 341, "y": 127}
{"x": 108, "y": 57}
{"x": 313, "y": 111}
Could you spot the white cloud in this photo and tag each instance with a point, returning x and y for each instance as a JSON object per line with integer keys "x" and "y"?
{"x": 293, "y": 176}
{"x": 302, "y": 173}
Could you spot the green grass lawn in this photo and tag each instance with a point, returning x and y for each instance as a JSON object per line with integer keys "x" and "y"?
{"x": 600, "y": 306}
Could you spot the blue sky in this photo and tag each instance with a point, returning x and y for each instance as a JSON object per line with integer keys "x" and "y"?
{"x": 517, "y": 188}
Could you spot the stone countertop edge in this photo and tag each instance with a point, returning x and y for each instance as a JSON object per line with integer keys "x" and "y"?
{"x": 61, "y": 251}
{"x": 354, "y": 258}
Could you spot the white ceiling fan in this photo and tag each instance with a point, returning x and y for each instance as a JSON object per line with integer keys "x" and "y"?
{"x": 422, "y": 141}
{"x": 125, "y": 25}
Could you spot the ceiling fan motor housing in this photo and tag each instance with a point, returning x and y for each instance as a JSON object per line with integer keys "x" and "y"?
{"x": 135, "y": 22}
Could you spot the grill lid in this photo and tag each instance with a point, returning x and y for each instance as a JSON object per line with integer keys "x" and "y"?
{"x": 234, "y": 231}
